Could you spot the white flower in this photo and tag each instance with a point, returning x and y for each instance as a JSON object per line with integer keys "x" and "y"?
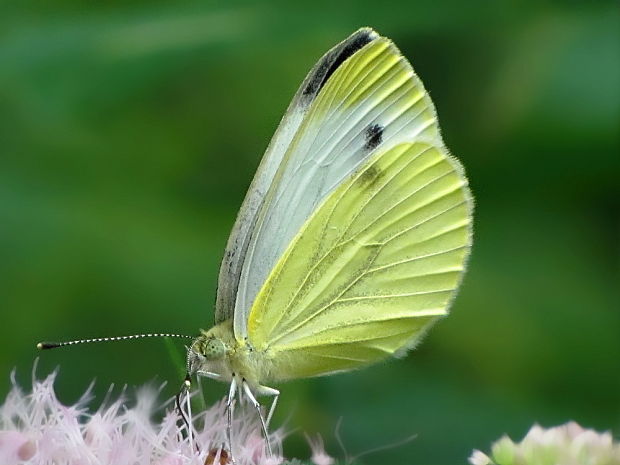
{"x": 569, "y": 444}
{"x": 35, "y": 428}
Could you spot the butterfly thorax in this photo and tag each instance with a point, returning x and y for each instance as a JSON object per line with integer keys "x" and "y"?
{"x": 216, "y": 351}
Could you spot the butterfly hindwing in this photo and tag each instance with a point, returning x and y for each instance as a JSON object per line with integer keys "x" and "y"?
{"x": 374, "y": 266}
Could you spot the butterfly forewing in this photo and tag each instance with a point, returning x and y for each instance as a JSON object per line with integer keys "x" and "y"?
{"x": 370, "y": 101}
{"x": 236, "y": 248}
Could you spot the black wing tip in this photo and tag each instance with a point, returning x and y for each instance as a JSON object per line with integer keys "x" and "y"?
{"x": 332, "y": 60}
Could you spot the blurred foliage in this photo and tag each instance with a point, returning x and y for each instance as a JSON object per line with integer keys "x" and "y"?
{"x": 130, "y": 131}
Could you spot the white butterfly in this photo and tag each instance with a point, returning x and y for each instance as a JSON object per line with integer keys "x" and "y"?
{"x": 353, "y": 236}
{"x": 352, "y": 239}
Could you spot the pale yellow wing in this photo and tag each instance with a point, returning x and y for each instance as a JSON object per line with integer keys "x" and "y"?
{"x": 375, "y": 265}
{"x": 279, "y": 154}
{"x": 367, "y": 99}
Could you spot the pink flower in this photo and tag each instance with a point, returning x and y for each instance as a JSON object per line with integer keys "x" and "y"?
{"x": 319, "y": 456}
{"x": 35, "y": 428}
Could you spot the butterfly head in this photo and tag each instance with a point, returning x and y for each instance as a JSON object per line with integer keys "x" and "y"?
{"x": 211, "y": 348}
{"x": 206, "y": 354}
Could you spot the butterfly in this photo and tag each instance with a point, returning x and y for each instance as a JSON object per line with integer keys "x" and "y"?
{"x": 353, "y": 237}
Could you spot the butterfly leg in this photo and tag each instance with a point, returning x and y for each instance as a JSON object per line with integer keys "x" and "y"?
{"x": 267, "y": 391}
{"x": 256, "y": 405}
{"x": 229, "y": 408}
{"x": 189, "y": 424}
{"x": 187, "y": 420}
{"x": 209, "y": 374}
{"x": 273, "y": 407}
{"x": 240, "y": 397}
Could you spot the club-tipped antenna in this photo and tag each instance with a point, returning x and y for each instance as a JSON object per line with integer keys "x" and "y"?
{"x": 53, "y": 345}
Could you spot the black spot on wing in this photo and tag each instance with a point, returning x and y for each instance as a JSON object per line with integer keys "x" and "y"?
{"x": 374, "y": 136}
{"x": 334, "y": 58}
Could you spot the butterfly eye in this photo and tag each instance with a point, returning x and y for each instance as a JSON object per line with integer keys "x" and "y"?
{"x": 214, "y": 349}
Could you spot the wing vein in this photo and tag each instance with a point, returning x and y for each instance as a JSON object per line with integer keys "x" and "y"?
{"x": 414, "y": 259}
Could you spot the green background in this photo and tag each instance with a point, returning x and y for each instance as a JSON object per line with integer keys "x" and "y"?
{"x": 129, "y": 134}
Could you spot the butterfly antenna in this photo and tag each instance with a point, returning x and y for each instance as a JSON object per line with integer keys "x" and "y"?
{"x": 53, "y": 345}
